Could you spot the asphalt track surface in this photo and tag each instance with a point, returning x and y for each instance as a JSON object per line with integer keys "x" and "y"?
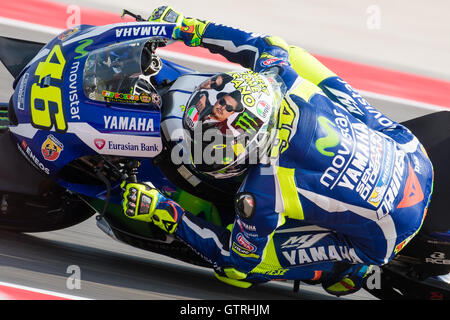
{"x": 111, "y": 270}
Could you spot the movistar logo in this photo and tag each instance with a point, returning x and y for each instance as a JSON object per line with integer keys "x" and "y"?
{"x": 81, "y": 48}
{"x": 330, "y": 141}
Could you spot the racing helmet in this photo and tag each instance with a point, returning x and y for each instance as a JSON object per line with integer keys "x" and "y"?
{"x": 230, "y": 121}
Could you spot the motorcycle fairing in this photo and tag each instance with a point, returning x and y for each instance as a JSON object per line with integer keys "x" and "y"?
{"x": 69, "y": 125}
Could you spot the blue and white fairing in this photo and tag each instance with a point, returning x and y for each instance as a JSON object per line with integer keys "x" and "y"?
{"x": 60, "y": 121}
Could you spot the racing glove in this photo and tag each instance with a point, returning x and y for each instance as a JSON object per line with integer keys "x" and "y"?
{"x": 189, "y": 30}
{"x": 145, "y": 203}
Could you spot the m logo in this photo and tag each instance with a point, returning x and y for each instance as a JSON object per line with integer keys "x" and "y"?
{"x": 331, "y": 140}
{"x": 303, "y": 241}
{"x": 81, "y": 48}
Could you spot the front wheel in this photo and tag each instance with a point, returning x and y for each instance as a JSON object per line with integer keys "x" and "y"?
{"x": 55, "y": 210}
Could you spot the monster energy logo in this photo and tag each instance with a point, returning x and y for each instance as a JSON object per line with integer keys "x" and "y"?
{"x": 246, "y": 122}
{"x": 330, "y": 141}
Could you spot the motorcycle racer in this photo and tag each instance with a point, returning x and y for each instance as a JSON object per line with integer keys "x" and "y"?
{"x": 343, "y": 188}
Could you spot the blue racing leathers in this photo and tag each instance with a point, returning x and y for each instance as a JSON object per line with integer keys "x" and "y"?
{"x": 346, "y": 184}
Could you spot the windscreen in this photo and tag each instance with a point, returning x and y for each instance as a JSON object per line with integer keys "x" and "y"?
{"x": 112, "y": 73}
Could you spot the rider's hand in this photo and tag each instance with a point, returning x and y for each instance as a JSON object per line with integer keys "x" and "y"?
{"x": 189, "y": 30}
{"x": 145, "y": 203}
{"x": 139, "y": 201}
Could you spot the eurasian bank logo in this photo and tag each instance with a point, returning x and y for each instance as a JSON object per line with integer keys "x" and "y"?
{"x": 331, "y": 140}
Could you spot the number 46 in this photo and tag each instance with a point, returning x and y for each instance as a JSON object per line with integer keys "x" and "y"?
{"x": 46, "y": 101}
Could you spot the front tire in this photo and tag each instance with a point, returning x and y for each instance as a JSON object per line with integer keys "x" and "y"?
{"x": 55, "y": 210}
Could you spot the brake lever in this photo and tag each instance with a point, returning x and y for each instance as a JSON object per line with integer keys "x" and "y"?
{"x": 132, "y": 167}
{"x": 131, "y": 14}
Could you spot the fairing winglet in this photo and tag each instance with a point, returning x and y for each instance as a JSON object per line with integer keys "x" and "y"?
{"x": 16, "y": 53}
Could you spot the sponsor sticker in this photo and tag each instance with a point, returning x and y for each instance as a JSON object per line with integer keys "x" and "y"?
{"x": 119, "y": 144}
{"x": 272, "y": 61}
{"x": 67, "y": 34}
{"x": 99, "y": 143}
{"x": 21, "y": 91}
{"x": 134, "y": 124}
{"x": 111, "y": 96}
{"x": 51, "y": 148}
{"x": 141, "y": 31}
{"x": 73, "y": 91}
{"x": 192, "y": 118}
{"x": 29, "y": 155}
{"x": 263, "y": 109}
{"x": 245, "y": 243}
{"x": 120, "y": 147}
{"x": 243, "y": 252}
